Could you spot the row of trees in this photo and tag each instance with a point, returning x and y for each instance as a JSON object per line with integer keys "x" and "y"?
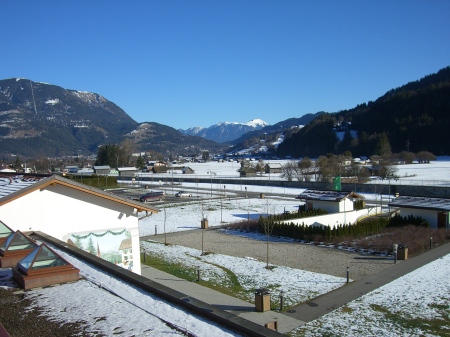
{"x": 329, "y": 166}
{"x": 304, "y": 232}
{"x": 115, "y": 155}
{"x": 361, "y": 229}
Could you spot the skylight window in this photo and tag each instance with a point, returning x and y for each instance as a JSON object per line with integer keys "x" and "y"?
{"x": 17, "y": 241}
{"x": 41, "y": 257}
{"x": 5, "y": 231}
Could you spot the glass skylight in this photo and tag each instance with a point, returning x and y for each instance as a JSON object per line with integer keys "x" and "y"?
{"x": 5, "y": 231}
{"x": 41, "y": 257}
{"x": 17, "y": 241}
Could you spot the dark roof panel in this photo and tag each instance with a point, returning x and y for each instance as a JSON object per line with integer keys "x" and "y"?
{"x": 440, "y": 204}
{"x": 323, "y": 195}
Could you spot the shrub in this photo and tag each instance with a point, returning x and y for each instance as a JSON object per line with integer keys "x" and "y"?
{"x": 399, "y": 221}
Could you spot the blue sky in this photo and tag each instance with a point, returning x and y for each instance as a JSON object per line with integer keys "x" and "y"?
{"x": 197, "y": 63}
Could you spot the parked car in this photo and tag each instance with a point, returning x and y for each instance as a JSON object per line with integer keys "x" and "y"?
{"x": 183, "y": 194}
{"x": 152, "y": 196}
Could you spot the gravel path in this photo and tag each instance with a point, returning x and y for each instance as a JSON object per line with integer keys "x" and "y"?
{"x": 292, "y": 254}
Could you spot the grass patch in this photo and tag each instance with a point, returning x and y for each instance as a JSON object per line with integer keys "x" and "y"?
{"x": 440, "y": 306}
{"x": 346, "y": 309}
{"x": 231, "y": 286}
{"x": 406, "y": 325}
{"x": 437, "y": 326}
{"x": 176, "y": 269}
{"x": 233, "y": 289}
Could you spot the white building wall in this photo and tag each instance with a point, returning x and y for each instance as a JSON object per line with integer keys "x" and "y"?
{"x": 429, "y": 215}
{"x": 346, "y": 205}
{"x": 60, "y": 211}
{"x": 334, "y": 207}
{"x": 335, "y": 219}
{"x": 330, "y": 207}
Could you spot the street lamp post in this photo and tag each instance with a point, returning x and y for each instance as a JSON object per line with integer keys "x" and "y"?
{"x": 395, "y": 247}
{"x": 211, "y": 173}
{"x": 389, "y": 197}
{"x": 172, "y": 178}
{"x": 203, "y": 234}
{"x": 281, "y": 300}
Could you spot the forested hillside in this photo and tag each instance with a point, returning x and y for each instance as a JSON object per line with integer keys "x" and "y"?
{"x": 45, "y": 120}
{"x": 413, "y": 118}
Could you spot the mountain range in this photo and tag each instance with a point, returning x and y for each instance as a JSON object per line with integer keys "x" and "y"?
{"x": 225, "y": 131}
{"x": 39, "y": 119}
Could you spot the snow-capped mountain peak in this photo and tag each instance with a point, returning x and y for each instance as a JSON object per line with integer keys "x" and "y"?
{"x": 226, "y": 131}
{"x": 257, "y": 123}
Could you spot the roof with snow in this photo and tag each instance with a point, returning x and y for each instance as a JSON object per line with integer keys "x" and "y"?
{"x": 10, "y": 183}
{"x": 439, "y": 204}
{"x": 14, "y": 186}
{"x": 121, "y": 169}
{"x": 274, "y": 165}
{"x": 327, "y": 195}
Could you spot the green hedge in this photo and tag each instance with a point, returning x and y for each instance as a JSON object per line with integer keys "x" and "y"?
{"x": 306, "y": 232}
{"x": 399, "y": 221}
{"x": 367, "y": 227}
{"x": 102, "y": 182}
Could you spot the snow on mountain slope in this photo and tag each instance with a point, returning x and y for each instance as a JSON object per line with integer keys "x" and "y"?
{"x": 225, "y": 131}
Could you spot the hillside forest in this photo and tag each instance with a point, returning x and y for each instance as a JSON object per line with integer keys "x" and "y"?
{"x": 412, "y": 118}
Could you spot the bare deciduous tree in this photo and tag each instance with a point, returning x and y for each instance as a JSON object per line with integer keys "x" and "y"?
{"x": 289, "y": 170}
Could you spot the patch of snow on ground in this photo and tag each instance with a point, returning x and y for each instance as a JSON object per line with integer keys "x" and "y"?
{"x": 421, "y": 295}
{"x": 298, "y": 285}
{"x": 188, "y": 215}
{"x": 133, "y": 312}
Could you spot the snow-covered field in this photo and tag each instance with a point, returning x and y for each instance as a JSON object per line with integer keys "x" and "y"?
{"x": 388, "y": 311}
{"x": 416, "y": 304}
{"x": 189, "y": 212}
{"x": 413, "y": 305}
{"x": 298, "y": 285}
{"x": 435, "y": 173}
{"x": 407, "y": 306}
{"x": 112, "y": 307}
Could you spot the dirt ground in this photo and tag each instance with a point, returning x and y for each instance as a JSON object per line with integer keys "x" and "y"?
{"x": 320, "y": 259}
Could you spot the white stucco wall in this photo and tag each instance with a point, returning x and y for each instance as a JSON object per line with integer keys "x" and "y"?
{"x": 334, "y": 207}
{"x": 60, "y": 211}
{"x": 429, "y": 215}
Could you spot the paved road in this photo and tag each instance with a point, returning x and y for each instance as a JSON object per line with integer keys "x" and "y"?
{"x": 221, "y": 301}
